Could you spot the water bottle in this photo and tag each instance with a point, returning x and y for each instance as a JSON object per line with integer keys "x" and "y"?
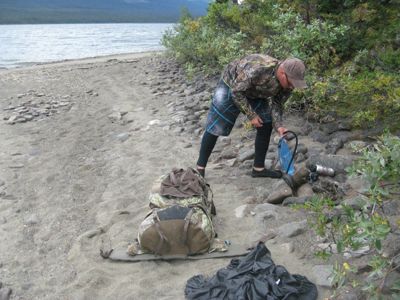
{"x": 321, "y": 170}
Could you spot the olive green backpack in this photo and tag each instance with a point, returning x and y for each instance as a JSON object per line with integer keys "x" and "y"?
{"x": 178, "y": 225}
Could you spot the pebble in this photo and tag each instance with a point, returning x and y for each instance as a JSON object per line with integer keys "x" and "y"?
{"x": 289, "y": 247}
{"x": 32, "y": 220}
{"x": 122, "y": 137}
{"x": 129, "y": 117}
{"x": 154, "y": 122}
{"x": 16, "y": 166}
{"x": 115, "y": 116}
{"x": 240, "y": 211}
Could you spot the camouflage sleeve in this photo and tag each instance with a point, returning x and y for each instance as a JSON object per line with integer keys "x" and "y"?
{"x": 243, "y": 105}
{"x": 277, "y": 109}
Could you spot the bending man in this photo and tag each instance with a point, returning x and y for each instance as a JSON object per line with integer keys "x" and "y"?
{"x": 257, "y": 85}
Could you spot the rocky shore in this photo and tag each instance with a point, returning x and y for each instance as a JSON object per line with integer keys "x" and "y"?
{"x": 83, "y": 142}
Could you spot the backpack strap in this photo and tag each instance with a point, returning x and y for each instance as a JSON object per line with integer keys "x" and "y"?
{"x": 163, "y": 238}
{"x": 186, "y": 227}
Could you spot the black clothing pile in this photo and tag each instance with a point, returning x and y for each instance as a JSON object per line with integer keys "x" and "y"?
{"x": 252, "y": 277}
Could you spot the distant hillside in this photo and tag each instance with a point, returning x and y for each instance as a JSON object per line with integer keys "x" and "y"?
{"x": 96, "y": 11}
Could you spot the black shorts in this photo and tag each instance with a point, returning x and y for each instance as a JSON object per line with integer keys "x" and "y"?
{"x": 223, "y": 111}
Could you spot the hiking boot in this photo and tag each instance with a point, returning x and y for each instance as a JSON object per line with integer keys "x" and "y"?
{"x": 266, "y": 173}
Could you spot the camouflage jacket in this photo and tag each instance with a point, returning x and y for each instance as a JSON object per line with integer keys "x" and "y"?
{"x": 253, "y": 77}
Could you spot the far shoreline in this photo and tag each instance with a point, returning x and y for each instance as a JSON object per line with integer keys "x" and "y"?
{"x": 85, "y": 60}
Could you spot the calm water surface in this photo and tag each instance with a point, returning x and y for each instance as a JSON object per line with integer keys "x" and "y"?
{"x": 27, "y": 44}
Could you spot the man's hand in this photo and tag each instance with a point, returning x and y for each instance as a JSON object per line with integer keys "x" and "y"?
{"x": 281, "y": 131}
{"x": 256, "y": 121}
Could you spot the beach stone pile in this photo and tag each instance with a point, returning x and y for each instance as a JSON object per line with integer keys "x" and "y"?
{"x": 190, "y": 99}
{"x": 32, "y": 106}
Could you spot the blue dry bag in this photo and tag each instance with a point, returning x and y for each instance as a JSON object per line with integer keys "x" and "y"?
{"x": 286, "y": 157}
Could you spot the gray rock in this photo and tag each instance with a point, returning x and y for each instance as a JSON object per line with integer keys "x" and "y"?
{"x": 329, "y": 128}
{"x": 122, "y": 137}
{"x": 356, "y": 202}
{"x": 231, "y": 162}
{"x": 350, "y": 293}
{"x": 250, "y": 200}
{"x": 5, "y": 293}
{"x": 178, "y": 130}
{"x": 265, "y": 207}
{"x": 280, "y": 191}
{"x": 333, "y": 146}
{"x": 390, "y": 207}
{"x": 391, "y": 280}
{"x": 228, "y": 153}
{"x": 271, "y": 156}
{"x": 292, "y": 229}
{"x": 154, "y": 122}
{"x": 28, "y": 117}
{"x": 246, "y": 165}
{"x": 115, "y": 116}
{"x": 129, "y": 117}
{"x": 198, "y": 131}
{"x": 391, "y": 245}
{"x": 246, "y": 155}
{"x": 295, "y": 200}
{"x": 356, "y": 185}
{"x": 225, "y": 140}
{"x": 32, "y": 220}
{"x": 288, "y": 247}
{"x": 16, "y": 166}
{"x": 356, "y": 253}
{"x": 321, "y": 274}
{"x": 240, "y": 211}
{"x": 355, "y": 146}
{"x": 300, "y": 157}
{"x": 319, "y": 136}
{"x": 268, "y": 163}
{"x": 305, "y": 129}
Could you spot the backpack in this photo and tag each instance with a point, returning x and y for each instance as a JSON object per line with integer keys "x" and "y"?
{"x": 179, "y": 224}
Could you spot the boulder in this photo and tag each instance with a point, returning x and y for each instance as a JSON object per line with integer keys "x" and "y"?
{"x": 292, "y": 229}
{"x": 321, "y": 275}
{"x": 305, "y": 191}
{"x": 280, "y": 191}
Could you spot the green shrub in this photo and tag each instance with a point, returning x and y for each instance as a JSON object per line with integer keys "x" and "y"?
{"x": 350, "y": 47}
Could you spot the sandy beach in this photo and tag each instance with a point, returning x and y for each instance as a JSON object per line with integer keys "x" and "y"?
{"x": 75, "y": 176}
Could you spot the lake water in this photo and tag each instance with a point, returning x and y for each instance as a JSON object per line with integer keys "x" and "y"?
{"x": 28, "y": 44}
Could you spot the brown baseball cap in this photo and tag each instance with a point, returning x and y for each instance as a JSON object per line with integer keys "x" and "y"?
{"x": 294, "y": 70}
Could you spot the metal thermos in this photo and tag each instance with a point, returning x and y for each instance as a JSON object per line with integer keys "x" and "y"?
{"x": 323, "y": 171}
